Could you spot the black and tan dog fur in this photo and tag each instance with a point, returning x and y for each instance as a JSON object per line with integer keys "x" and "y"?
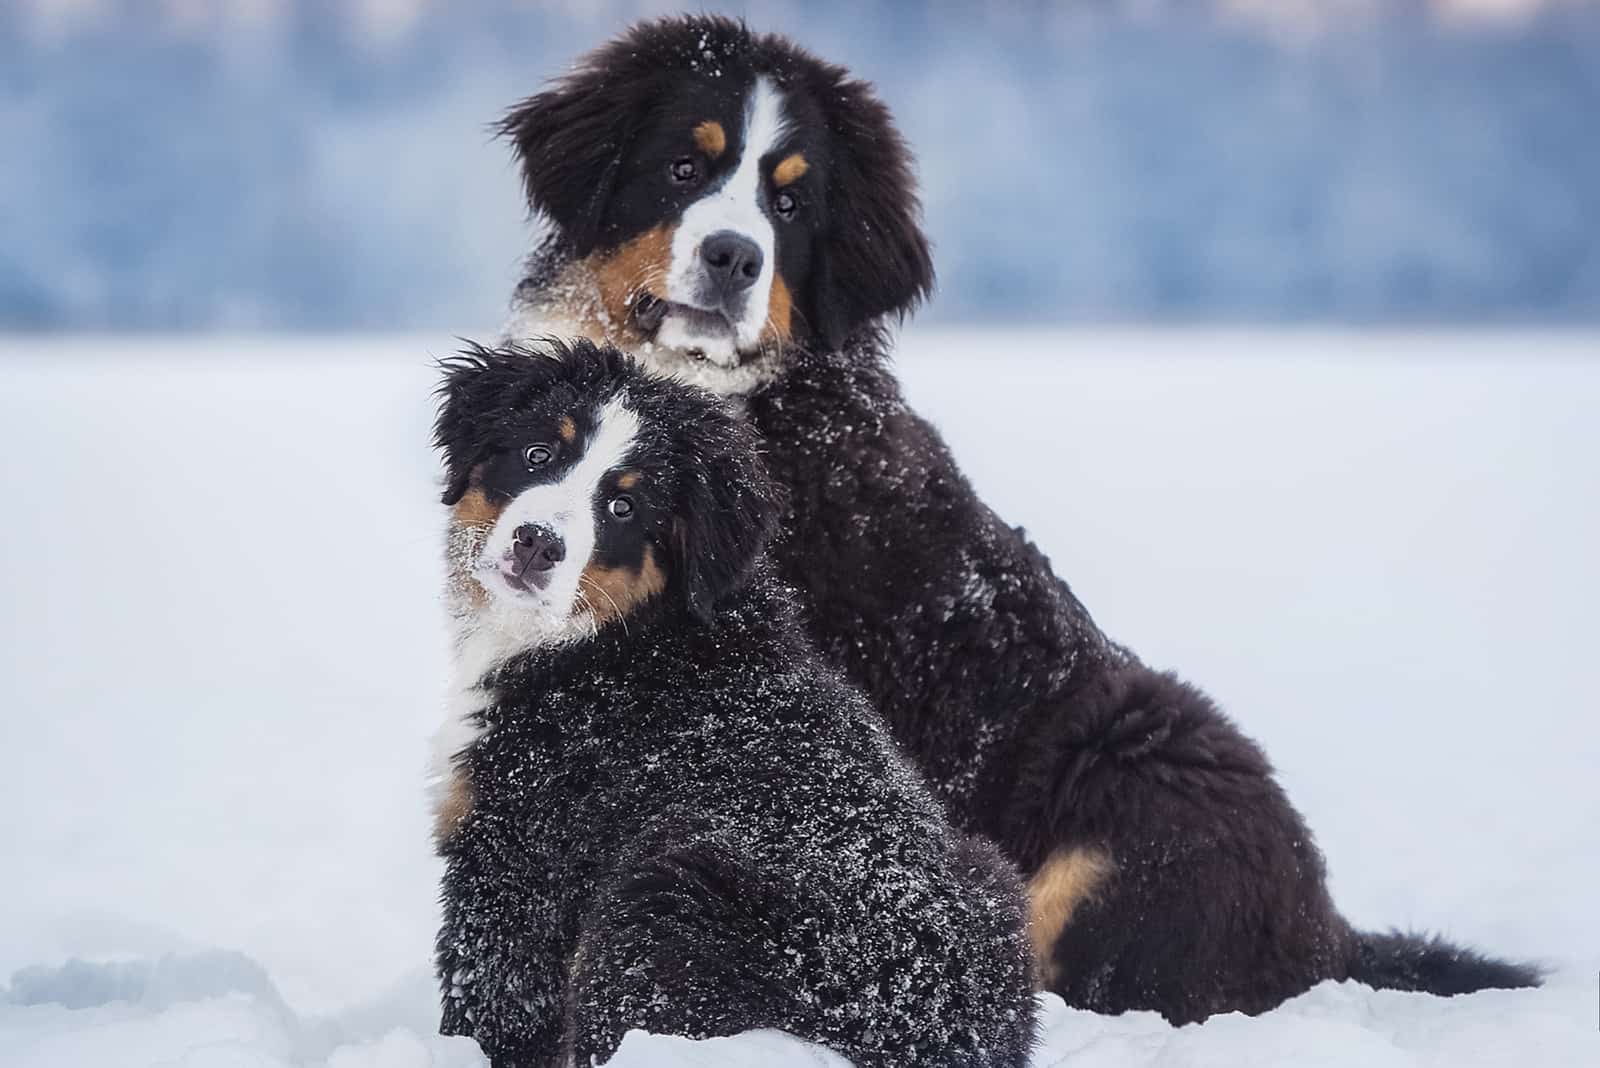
{"x": 602, "y": 148}
{"x": 679, "y": 818}
{"x": 1167, "y": 869}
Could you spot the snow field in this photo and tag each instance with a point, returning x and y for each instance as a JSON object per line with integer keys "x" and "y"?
{"x": 222, "y": 653}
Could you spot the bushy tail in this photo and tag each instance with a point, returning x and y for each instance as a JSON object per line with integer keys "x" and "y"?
{"x": 1404, "y": 961}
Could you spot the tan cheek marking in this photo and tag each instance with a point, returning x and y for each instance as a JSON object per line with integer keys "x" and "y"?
{"x": 475, "y": 509}
{"x": 711, "y": 138}
{"x": 567, "y": 429}
{"x": 454, "y": 807}
{"x": 639, "y": 266}
{"x": 791, "y": 169}
{"x": 572, "y": 302}
{"x": 613, "y": 592}
{"x": 470, "y": 521}
{"x": 780, "y": 311}
{"x": 629, "y": 480}
{"x": 1068, "y": 879}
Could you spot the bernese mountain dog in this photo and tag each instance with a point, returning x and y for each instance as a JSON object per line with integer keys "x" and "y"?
{"x": 1167, "y": 870}
{"x": 715, "y": 195}
{"x": 664, "y": 809}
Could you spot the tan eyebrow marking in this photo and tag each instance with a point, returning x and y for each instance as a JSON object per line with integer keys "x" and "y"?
{"x": 629, "y": 480}
{"x": 790, "y": 169}
{"x": 567, "y": 428}
{"x": 711, "y": 138}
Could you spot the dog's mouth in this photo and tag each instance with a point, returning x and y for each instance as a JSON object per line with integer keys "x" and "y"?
{"x": 650, "y": 311}
{"x": 533, "y": 582}
{"x": 515, "y": 577}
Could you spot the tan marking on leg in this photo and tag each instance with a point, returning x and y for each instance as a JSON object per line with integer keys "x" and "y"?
{"x": 613, "y": 592}
{"x": 453, "y": 807}
{"x": 567, "y": 429}
{"x": 711, "y": 138}
{"x": 629, "y": 480}
{"x": 780, "y": 311}
{"x": 1066, "y": 880}
{"x": 622, "y": 274}
{"x": 790, "y": 170}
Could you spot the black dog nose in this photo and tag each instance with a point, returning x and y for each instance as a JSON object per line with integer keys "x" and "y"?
{"x": 732, "y": 260}
{"x": 537, "y": 548}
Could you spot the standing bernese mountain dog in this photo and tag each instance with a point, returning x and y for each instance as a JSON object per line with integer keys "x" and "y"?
{"x": 742, "y": 214}
{"x": 663, "y": 809}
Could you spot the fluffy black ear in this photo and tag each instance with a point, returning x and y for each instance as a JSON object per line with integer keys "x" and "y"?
{"x": 481, "y": 386}
{"x": 730, "y": 510}
{"x": 570, "y": 141}
{"x": 455, "y": 431}
{"x": 874, "y": 258}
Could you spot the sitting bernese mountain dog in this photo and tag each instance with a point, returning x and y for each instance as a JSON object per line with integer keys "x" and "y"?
{"x": 742, "y": 214}
{"x": 664, "y": 810}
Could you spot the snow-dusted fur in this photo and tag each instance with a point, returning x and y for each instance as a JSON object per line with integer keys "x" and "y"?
{"x": 621, "y": 259}
{"x": 687, "y": 822}
{"x": 1041, "y": 733}
{"x": 1168, "y": 870}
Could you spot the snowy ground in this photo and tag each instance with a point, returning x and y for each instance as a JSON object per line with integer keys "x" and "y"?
{"x": 221, "y": 654}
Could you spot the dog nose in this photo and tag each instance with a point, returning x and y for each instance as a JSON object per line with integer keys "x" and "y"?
{"x": 732, "y": 260}
{"x": 537, "y": 548}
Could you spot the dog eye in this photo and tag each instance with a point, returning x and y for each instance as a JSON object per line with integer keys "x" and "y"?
{"x": 621, "y": 508}
{"x": 683, "y": 170}
{"x": 785, "y": 205}
{"x": 538, "y": 455}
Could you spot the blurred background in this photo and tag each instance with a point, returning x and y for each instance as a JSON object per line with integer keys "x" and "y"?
{"x": 325, "y": 164}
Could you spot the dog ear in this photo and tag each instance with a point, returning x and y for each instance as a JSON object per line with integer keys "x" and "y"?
{"x": 729, "y": 513}
{"x": 455, "y": 486}
{"x": 570, "y": 141}
{"x": 477, "y": 385}
{"x": 874, "y": 258}
{"x": 464, "y": 376}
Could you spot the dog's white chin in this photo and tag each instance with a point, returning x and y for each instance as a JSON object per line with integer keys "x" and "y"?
{"x": 729, "y": 382}
{"x": 712, "y": 362}
{"x": 509, "y": 620}
{"x": 680, "y": 336}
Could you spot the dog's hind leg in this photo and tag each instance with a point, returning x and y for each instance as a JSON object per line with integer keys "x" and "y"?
{"x": 904, "y": 966}
{"x": 684, "y": 944}
{"x": 1182, "y": 879}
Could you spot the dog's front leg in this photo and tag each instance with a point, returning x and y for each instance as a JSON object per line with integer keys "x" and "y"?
{"x": 501, "y": 956}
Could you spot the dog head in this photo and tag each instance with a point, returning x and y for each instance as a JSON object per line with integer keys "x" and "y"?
{"x": 724, "y": 192}
{"x": 583, "y": 489}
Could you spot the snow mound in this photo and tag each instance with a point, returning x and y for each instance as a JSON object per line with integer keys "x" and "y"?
{"x": 771, "y": 1049}
{"x": 1339, "y": 1025}
{"x": 221, "y": 1010}
{"x": 214, "y": 1009}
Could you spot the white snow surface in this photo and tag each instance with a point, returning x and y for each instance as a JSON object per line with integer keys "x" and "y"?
{"x": 222, "y": 653}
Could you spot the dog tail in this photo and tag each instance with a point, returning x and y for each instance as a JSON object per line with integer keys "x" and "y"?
{"x": 1401, "y": 960}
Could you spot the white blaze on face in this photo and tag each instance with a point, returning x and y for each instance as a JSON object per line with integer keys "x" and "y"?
{"x": 566, "y": 508}
{"x": 735, "y": 205}
{"x": 511, "y": 620}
